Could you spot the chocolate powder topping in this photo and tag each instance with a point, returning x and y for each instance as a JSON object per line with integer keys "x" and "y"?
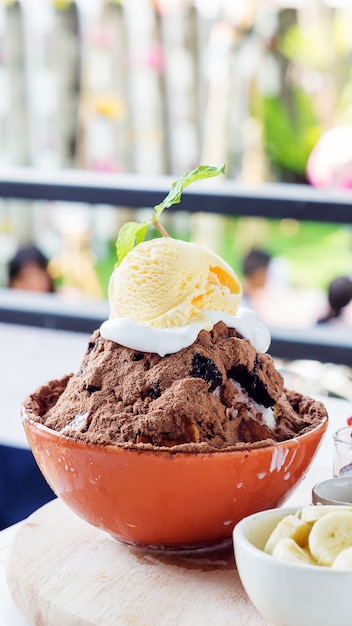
{"x": 215, "y": 394}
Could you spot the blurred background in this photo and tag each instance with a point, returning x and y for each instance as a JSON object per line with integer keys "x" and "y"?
{"x": 159, "y": 86}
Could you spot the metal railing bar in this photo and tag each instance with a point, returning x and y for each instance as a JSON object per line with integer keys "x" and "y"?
{"x": 51, "y": 311}
{"x": 226, "y": 197}
{"x": 321, "y": 343}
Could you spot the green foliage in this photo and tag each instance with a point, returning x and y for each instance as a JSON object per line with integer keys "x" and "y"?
{"x": 290, "y": 132}
{"x": 316, "y": 252}
{"x": 316, "y": 89}
{"x": 312, "y": 48}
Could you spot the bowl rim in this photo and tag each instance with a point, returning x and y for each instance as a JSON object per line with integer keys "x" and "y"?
{"x": 339, "y": 432}
{"x": 170, "y": 452}
{"x": 338, "y": 480}
{"x": 239, "y": 536}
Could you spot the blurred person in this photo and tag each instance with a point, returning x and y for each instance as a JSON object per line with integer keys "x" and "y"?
{"x": 339, "y": 297}
{"x": 75, "y": 267}
{"x": 28, "y": 270}
{"x": 268, "y": 290}
{"x": 255, "y": 270}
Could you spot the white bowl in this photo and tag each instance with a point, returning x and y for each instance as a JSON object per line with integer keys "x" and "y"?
{"x": 288, "y": 594}
{"x": 333, "y": 491}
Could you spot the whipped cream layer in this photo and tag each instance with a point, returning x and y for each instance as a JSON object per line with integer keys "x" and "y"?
{"x": 162, "y": 341}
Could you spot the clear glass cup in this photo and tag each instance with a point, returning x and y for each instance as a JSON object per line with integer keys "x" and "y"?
{"x": 342, "y": 453}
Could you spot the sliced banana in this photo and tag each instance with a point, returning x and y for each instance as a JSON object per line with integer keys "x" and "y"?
{"x": 330, "y": 534}
{"x": 288, "y": 550}
{"x": 343, "y": 559}
{"x": 292, "y": 527}
{"x": 313, "y": 512}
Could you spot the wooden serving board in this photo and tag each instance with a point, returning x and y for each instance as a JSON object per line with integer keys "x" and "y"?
{"x": 63, "y": 572}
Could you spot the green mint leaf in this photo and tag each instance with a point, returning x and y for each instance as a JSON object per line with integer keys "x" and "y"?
{"x": 177, "y": 187}
{"x": 130, "y": 234}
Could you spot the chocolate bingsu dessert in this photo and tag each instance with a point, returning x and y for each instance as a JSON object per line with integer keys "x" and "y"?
{"x": 179, "y": 364}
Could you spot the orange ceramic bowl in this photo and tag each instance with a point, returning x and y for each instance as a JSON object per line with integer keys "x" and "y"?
{"x": 164, "y": 499}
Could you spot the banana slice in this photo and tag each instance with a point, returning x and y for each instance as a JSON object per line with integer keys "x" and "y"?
{"x": 343, "y": 559}
{"x": 288, "y": 550}
{"x": 291, "y": 527}
{"x": 313, "y": 512}
{"x": 329, "y": 535}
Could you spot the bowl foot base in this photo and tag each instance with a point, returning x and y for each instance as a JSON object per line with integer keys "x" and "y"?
{"x": 211, "y": 549}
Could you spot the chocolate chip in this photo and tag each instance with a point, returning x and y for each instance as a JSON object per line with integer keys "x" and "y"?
{"x": 205, "y": 368}
{"x": 137, "y": 356}
{"x": 92, "y": 388}
{"x": 155, "y": 392}
{"x": 251, "y": 383}
{"x": 93, "y": 343}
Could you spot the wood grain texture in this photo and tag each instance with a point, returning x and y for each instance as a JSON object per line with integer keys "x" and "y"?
{"x": 63, "y": 572}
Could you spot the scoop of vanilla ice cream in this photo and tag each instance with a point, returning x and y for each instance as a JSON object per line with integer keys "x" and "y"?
{"x": 167, "y": 283}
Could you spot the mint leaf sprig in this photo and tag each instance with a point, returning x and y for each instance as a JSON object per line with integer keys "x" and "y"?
{"x": 133, "y": 233}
